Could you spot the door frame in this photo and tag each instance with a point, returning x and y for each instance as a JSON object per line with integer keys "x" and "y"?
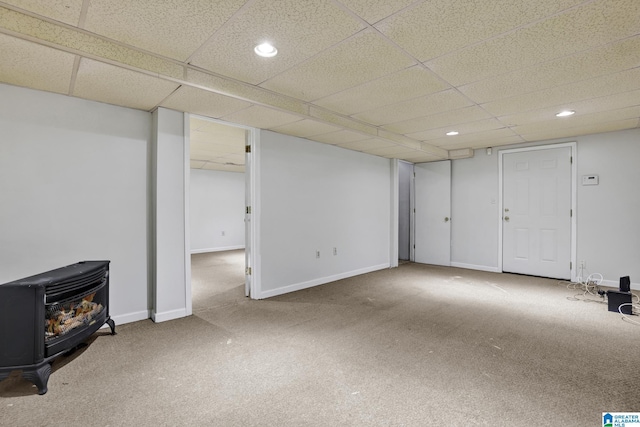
{"x": 574, "y": 188}
{"x": 252, "y": 186}
{"x": 413, "y": 207}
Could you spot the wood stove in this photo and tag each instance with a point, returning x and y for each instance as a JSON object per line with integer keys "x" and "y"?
{"x": 47, "y": 315}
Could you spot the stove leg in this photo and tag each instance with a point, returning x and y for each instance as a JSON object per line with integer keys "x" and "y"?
{"x": 39, "y": 377}
{"x": 112, "y": 325}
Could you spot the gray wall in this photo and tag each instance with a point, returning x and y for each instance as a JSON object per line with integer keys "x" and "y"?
{"x": 73, "y": 186}
{"x": 216, "y": 205}
{"x": 607, "y": 227}
{"x": 316, "y": 197}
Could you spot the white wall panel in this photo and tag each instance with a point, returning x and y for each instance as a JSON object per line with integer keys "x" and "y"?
{"x": 73, "y": 186}
{"x": 217, "y": 207}
{"x": 316, "y": 197}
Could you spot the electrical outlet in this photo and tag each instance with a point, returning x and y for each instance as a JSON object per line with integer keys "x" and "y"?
{"x": 335, "y": 251}
{"x": 583, "y": 264}
{"x": 317, "y": 254}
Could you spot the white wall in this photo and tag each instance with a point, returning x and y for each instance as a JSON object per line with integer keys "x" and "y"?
{"x": 474, "y": 212}
{"x": 168, "y": 163}
{"x": 315, "y": 197}
{"x": 73, "y": 186}
{"x": 216, "y": 207}
{"x": 607, "y": 225}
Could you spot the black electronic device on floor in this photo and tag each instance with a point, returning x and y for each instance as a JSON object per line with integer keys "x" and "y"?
{"x": 625, "y": 284}
{"x": 615, "y": 298}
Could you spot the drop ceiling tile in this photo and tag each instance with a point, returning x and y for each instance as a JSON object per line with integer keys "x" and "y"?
{"x": 367, "y": 144}
{"x": 484, "y": 143}
{"x": 299, "y": 29}
{"x": 419, "y": 157}
{"x": 568, "y": 96}
{"x": 202, "y": 102}
{"x": 417, "y": 107}
{"x": 392, "y": 151}
{"x": 171, "y": 28}
{"x": 587, "y": 129}
{"x": 222, "y": 167}
{"x": 579, "y": 120}
{"x": 488, "y": 138}
{"x": 305, "y": 128}
{"x": 466, "y": 130}
{"x": 32, "y": 65}
{"x": 339, "y": 137}
{"x": 586, "y": 27}
{"x": 593, "y": 105}
{"x": 261, "y": 117}
{"x": 433, "y": 28}
{"x": 373, "y": 11}
{"x": 67, "y": 11}
{"x": 364, "y": 57}
{"x": 216, "y": 139}
{"x": 69, "y": 38}
{"x": 107, "y": 83}
{"x": 448, "y": 118}
{"x": 197, "y": 164}
{"x": 399, "y": 86}
{"x": 604, "y": 60}
{"x": 237, "y": 159}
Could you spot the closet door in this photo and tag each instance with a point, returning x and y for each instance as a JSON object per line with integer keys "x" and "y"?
{"x": 433, "y": 213}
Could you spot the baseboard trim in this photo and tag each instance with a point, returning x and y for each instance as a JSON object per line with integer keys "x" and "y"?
{"x": 129, "y": 318}
{"x": 616, "y": 284}
{"x": 168, "y": 315}
{"x": 320, "y": 281}
{"x": 222, "y": 249}
{"x": 475, "y": 267}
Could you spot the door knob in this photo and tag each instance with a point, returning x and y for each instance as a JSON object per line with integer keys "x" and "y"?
{"x": 506, "y": 209}
{"x": 506, "y": 218}
{"x": 446, "y": 219}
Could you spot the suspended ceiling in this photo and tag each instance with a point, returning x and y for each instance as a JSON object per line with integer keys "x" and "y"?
{"x": 386, "y": 77}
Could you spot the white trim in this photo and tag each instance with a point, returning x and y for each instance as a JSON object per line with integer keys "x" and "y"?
{"x": 254, "y": 258}
{"x": 574, "y": 190}
{"x": 187, "y": 211}
{"x": 412, "y": 215}
{"x": 129, "y": 318}
{"x": 221, "y": 249}
{"x": 616, "y": 285}
{"x": 168, "y": 315}
{"x": 475, "y": 267}
{"x": 321, "y": 281}
{"x": 395, "y": 203}
{"x": 254, "y": 185}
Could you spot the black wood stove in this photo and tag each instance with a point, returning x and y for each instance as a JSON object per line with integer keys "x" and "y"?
{"x": 47, "y": 315}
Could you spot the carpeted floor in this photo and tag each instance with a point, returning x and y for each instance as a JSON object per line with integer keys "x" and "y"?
{"x": 417, "y": 345}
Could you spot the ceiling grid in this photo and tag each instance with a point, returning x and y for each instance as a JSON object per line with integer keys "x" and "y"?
{"x": 388, "y": 78}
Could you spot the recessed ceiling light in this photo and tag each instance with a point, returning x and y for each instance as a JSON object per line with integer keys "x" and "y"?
{"x": 565, "y": 113}
{"x": 452, "y": 133}
{"x": 265, "y": 49}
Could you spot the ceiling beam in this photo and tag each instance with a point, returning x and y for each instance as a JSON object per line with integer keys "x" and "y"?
{"x": 70, "y": 39}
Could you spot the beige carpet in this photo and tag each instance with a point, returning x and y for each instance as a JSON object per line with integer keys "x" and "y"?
{"x": 413, "y": 346}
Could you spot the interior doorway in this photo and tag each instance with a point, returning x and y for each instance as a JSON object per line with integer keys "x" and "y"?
{"x": 218, "y": 192}
{"x": 405, "y": 177}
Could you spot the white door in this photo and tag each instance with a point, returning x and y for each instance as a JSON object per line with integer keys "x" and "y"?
{"x": 247, "y": 214}
{"x": 432, "y": 189}
{"x": 536, "y": 217}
